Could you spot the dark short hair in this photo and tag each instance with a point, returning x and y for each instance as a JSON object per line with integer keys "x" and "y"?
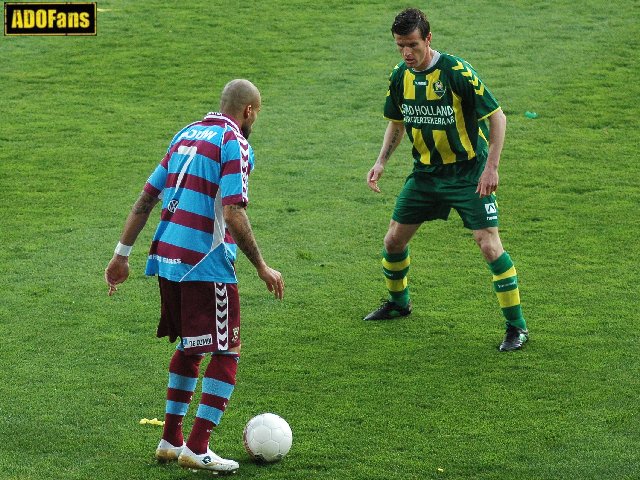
{"x": 410, "y": 19}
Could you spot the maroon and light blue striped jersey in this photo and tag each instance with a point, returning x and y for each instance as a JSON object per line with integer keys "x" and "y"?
{"x": 206, "y": 167}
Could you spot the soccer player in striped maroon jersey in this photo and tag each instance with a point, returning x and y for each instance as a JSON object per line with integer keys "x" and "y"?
{"x": 443, "y": 105}
{"x": 202, "y": 183}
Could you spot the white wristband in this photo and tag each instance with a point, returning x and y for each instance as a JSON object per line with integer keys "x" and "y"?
{"x": 123, "y": 250}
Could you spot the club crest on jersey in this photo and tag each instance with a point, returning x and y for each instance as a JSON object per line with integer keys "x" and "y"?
{"x": 439, "y": 88}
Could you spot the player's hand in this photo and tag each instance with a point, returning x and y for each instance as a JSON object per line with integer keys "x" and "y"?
{"x": 274, "y": 281}
{"x": 373, "y": 176}
{"x": 116, "y": 272}
{"x": 488, "y": 182}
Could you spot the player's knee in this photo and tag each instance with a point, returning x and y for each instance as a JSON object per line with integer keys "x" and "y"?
{"x": 489, "y": 244}
{"x": 491, "y": 252}
{"x": 394, "y": 244}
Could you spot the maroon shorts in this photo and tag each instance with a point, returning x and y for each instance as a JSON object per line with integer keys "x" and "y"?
{"x": 205, "y": 315}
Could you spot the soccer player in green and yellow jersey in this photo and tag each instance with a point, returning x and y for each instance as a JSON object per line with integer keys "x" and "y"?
{"x": 444, "y": 107}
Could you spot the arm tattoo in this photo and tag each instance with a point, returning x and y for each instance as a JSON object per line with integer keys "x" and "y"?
{"x": 144, "y": 205}
{"x": 243, "y": 235}
{"x": 392, "y": 145}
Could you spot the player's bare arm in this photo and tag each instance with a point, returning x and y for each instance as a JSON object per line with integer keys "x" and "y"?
{"x": 144, "y": 204}
{"x": 235, "y": 216}
{"x": 392, "y": 138}
{"x": 489, "y": 179}
{"x": 118, "y": 269}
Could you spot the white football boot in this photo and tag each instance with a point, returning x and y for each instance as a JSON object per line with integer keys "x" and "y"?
{"x": 167, "y": 452}
{"x": 207, "y": 461}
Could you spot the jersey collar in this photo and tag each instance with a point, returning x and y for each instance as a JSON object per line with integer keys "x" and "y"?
{"x": 432, "y": 65}
{"x": 221, "y": 116}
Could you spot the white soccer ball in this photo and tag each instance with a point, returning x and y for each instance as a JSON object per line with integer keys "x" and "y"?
{"x": 267, "y": 437}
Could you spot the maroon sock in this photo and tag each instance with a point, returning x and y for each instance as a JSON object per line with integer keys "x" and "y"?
{"x": 217, "y": 386}
{"x": 183, "y": 376}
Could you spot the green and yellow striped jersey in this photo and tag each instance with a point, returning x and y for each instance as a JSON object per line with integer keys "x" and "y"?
{"x": 443, "y": 110}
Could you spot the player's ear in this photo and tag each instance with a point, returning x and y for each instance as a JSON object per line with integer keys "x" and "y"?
{"x": 247, "y": 111}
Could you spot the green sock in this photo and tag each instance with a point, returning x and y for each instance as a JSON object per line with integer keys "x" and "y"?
{"x": 505, "y": 284}
{"x": 395, "y": 267}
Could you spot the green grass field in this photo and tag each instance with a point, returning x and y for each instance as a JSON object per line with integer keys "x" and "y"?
{"x": 84, "y": 120}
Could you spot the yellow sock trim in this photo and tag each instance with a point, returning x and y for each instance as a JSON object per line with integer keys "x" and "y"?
{"x": 509, "y": 273}
{"x": 396, "y": 285}
{"x": 396, "y": 266}
{"x": 509, "y": 299}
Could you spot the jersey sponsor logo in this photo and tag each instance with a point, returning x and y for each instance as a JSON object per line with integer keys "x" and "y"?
{"x": 439, "y": 88}
{"x": 170, "y": 261}
{"x": 201, "y": 341}
{"x": 421, "y": 83}
{"x": 428, "y": 114}
{"x": 69, "y": 19}
{"x": 173, "y": 205}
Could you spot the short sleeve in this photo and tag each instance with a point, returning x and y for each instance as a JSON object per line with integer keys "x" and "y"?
{"x": 472, "y": 89}
{"x": 234, "y": 169}
{"x": 158, "y": 179}
{"x": 393, "y": 100}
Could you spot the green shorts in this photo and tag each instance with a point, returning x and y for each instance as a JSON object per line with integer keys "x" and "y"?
{"x": 431, "y": 196}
